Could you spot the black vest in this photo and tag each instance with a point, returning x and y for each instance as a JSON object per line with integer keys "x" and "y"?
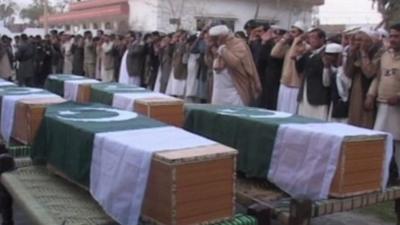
{"x": 317, "y": 94}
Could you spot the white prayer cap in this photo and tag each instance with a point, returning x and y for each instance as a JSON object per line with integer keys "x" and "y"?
{"x": 218, "y": 30}
{"x": 299, "y": 25}
{"x": 333, "y": 48}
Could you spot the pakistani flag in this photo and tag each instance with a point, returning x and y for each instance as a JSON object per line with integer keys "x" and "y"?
{"x": 107, "y": 150}
{"x": 67, "y": 85}
{"x": 10, "y": 96}
{"x": 104, "y": 92}
{"x": 297, "y": 154}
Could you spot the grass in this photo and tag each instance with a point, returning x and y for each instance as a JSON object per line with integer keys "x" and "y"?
{"x": 384, "y": 211}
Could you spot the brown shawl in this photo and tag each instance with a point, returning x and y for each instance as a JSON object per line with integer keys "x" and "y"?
{"x": 239, "y": 61}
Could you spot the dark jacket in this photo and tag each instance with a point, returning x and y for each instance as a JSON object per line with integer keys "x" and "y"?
{"x": 312, "y": 67}
{"x": 135, "y": 60}
{"x": 25, "y": 55}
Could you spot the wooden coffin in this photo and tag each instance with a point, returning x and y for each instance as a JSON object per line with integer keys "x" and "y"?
{"x": 189, "y": 187}
{"x": 84, "y": 93}
{"x": 360, "y": 167}
{"x": 167, "y": 110}
{"x": 28, "y": 117}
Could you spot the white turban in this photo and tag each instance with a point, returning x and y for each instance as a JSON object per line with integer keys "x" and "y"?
{"x": 333, "y": 48}
{"x": 219, "y": 30}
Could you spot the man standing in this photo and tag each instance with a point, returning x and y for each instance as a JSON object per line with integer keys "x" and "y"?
{"x": 290, "y": 80}
{"x": 107, "y": 59}
{"x": 314, "y": 95}
{"x": 25, "y": 55}
{"x": 5, "y": 65}
{"x": 89, "y": 59}
{"x": 135, "y": 60}
{"x": 237, "y": 61}
{"x": 68, "y": 56}
{"x": 385, "y": 89}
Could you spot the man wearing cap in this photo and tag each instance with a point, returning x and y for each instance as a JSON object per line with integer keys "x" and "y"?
{"x": 362, "y": 66}
{"x": 314, "y": 94}
{"x": 290, "y": 80}
{"x": 385, "y": 90}
{"x": 236, "y": 60}
{"x": 339, "y": 83}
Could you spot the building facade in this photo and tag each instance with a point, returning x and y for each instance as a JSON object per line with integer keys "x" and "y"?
{"x": 168, "y": 15}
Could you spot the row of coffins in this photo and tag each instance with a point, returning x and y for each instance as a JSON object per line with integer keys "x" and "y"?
{"x": 131, "y": 164}
{"x": 353, "y": 160}
{"x": 194, "y": 183}
{"x": 155, "y": 105}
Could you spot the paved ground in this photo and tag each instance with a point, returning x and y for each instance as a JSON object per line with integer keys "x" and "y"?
{"x": 335, "y": 219}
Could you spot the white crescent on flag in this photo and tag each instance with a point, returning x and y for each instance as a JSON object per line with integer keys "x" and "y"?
{"x": 20, "y": 90}
{"x": 255, "y": 113}
{"x": 120, "y": 115}
{"x": 66, "y": 76}
{"x": 117, "y": 88}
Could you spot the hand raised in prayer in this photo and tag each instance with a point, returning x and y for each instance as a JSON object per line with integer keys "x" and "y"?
{"x": 267, "y": 36}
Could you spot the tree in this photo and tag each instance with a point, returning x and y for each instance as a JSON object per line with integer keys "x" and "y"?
{"x": 62, "y": 5}
{"x": 7, "y": 10}
{"x": 390, "y": 10}
{"x": 34, "y": 11}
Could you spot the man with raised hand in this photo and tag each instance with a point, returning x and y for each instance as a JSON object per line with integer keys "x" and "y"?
{"x": 385, "y": 90}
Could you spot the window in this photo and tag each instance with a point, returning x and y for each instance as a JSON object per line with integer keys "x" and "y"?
{"x": 109, "y": 26}
{"x": 95, "y": 26}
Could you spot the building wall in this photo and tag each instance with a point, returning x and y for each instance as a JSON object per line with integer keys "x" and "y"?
{"x": 156, "y": 14}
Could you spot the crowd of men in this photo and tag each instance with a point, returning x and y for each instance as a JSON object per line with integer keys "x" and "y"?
{"x": 352, "y": 77}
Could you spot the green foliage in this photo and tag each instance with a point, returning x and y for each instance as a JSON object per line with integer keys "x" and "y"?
{"x": 7, "y": 9}
{"x": 390, "y": 10}
{"x": 34, "y": 11}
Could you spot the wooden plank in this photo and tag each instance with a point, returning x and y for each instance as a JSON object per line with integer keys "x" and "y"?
{"x": 204, "y": 191}
{"x": 198, "y": 173}
{"x": 204, "y": 207}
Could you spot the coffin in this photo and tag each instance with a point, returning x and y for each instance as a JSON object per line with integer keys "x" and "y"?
{"x": 186, "y": 185}
{"x": 28, "y": 116}
{"x": 167, "y": 110}
{"x": 359, "y": 168}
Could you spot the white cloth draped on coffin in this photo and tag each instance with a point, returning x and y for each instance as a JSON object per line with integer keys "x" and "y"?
{"x": 8, "y": 105}
{"x": 126, "y": 101}
{"x": 121, "y": 163}
{"x": 71, "y": 87}
{"x": 305, "y": 166}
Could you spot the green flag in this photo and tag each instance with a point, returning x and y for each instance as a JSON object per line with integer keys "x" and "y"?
{"x": 65, "y": 137}
{"x": 104, "y": 92}
{"x": 251, "y": 131}
{"x": 55, "y": 82}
